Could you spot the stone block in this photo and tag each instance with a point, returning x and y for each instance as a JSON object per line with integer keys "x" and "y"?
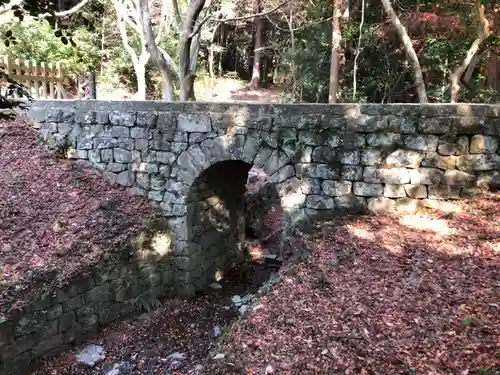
{"x": 311, "y": 170}
{"x": 384, "y": 139}
{"x": 76, "y": 154}
{"x": 67, "y": 321}
{"x": 468, "y": 125}
{"x": 365, "y": 189}
{"x": 155, "y": 195}
{"x": 483, "y": 144}
{"x": 102, "y": 117}
{"x": 371, "y": 157}
{"x": 138, "y": 132}
{"x": 351, "y": 172}
{"x": 381, "y": 205}
{"x": 434, "y": 160}
{"x": 336, "y": 188}
{"x": 121, "y": 155}
{"x": 319, "y": 202}
{"x": 120, "y": 131}
{"x": 350, "y": 203}
{"x": 146, "y": 119}
{"x": 452, "y": 145}
{"x": 426, "y": 176}
{"x": 323, "y": 154}
{"x": 194, "y": 122}
{"x": 421, "y": 142}
{"x": 165, "y": 157}
{"x": 142, "y": 180}
{"x": 404, "y": 159}
{"x": 116, "y": 167}
{"x": 443, "y": 192}
{"x": 435, "y": 125}
{"x": 388, "y": 175}
{"x": 458, "y": 178}
{"x": 54, "y": 312}
{"x": 394, "y": 191}
{"x": 122, "y": 118}
{"x": 416, "y": 191}
{"x": 73, "y": 303}
{"x": 100, "y": 293}
{"x": 125, "y": 178}
{"x": 145, "y": 167}
{"x": 351, "y": 157}
{"x": 478, "y": 162}
{"x": 47, "y": 346}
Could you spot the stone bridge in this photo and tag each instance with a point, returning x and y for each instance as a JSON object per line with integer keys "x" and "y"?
{"x": 194, "y": 158}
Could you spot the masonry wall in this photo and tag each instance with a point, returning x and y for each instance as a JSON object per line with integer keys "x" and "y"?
{"x": 125, "y": 283}
{"x": 354, "y": 157}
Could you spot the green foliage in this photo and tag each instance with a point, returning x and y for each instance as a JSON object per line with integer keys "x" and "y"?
{"x": 48, "y": 47}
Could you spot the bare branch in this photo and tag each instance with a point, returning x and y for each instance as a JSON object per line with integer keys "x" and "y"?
{"x": 483, "y": 33}
{"x": 261, "y": 14}
{"x": 72, "y": 10}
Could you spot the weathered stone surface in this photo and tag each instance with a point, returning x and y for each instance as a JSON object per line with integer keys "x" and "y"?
{"x": 421, "y": 142}
{"x": 336, "y": 188}
{"x": 125, "y": 178}
{"x": 426, "y": 176}
{"x": 458, "y": 178}
{"x": 384, "y": 139}
{"x": 122, "y": 118}
{"x": 394, "y": 191}
{"x": 483, "y": 144}
{"x": 194, "y": 122}
{"x": 121, "y": 155}
{"x": 435, "y": 125}
{"x": 351, "y": 157}
{"x": 416, "y": 191}
{"x": 480, "y": 162}
{"x": 451, "y": 145}
{"x": 434, "y": 160}
{"x": 311, "y": 170}
{"x": 351, "y": 172}
{"x": 443, "y": 192}
{"x": 381, "y": 205}
{"x": 368, "y": 190}
{"x": 404, "y": 158}
{"x": 387, "y": 175}
{"x": 371, "y": 157}
{"x": 319, "y": 202}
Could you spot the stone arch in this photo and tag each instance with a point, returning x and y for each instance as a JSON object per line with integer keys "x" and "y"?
{"x": 210, "y": 178}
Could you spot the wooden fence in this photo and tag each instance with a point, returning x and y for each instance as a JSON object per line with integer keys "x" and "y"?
{"x": 42, "y": 81}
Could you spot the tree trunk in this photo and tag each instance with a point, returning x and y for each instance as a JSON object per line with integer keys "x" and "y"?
{"x": 162, "y": 63}
{"x": 255, "y": 81}
{"x": 483, "y": 33}
{"x": 493, "y": 78}
{"x": 187, "y": 77}
{"x": 336, "y": 52}
{"x": 410, "y": 51}
{"x": 140, "y": 74}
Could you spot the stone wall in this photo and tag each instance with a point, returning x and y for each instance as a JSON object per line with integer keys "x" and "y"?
{"x": 123, "y": 284}
{"x": 375, "y": 157}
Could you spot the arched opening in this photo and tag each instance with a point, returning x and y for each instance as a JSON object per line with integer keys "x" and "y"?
{"x": 216, "y": 218}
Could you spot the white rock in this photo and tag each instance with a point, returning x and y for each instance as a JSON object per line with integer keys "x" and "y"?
{"x": 236, "y": 300}
{"x": 220, "y": 356}
{"x": 91, "y": 355}
{"x": 215, "y": 286}
{"x": 217, "y": 331}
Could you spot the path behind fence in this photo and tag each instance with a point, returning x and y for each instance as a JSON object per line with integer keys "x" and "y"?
{"x": 42, "y": 81}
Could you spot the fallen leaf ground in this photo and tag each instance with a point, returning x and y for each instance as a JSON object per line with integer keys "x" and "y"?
{"x": 403, "y": 294}
{"x": 55, "y": 218}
